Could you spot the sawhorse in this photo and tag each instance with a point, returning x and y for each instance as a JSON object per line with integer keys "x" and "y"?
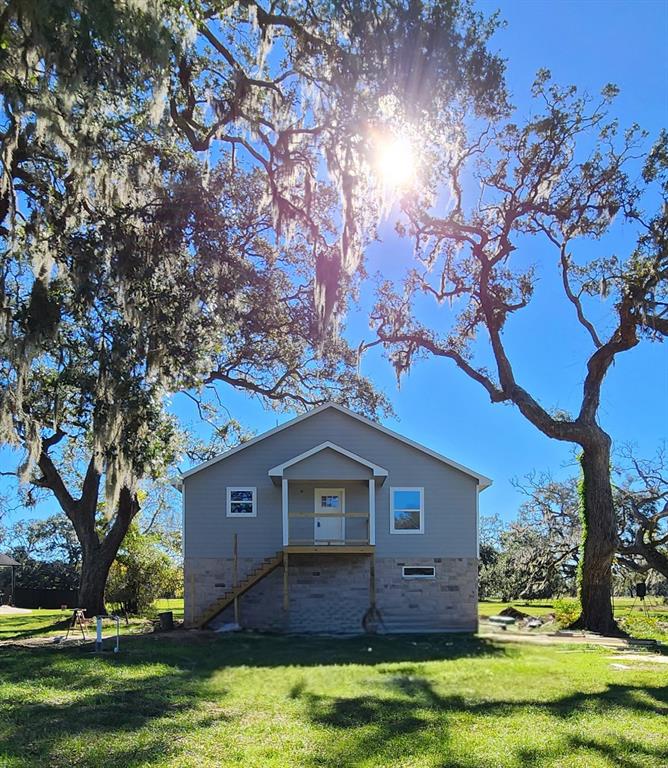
{"x": 78, "y": 618}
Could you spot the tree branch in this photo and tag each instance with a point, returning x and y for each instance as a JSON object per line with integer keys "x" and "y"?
{"x": 575, "y": 300}
{"x": 623, "y": 339}
{"x": 52, "y": 480}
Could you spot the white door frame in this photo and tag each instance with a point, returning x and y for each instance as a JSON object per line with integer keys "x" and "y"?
{"x": 316, "y": 508}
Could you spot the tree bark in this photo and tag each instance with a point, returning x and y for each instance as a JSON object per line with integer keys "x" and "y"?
{"x": 98, "y": 554}
{"x": 599, "y": 538}
{"x": 94, "y": 573}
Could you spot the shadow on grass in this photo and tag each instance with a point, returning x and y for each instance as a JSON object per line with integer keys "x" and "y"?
{"x": 411, "y": 719}
{"x": 101, "y": 705}
{"x": 139, "y": 707}
{"x": 248, "y": 649}
{"x": 618, "y": 751}
{"x": 25, "y": 634}
{"x": 149, "y": 704}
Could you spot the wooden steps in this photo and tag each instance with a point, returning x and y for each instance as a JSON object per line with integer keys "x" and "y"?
{"x": 264, "y": 569}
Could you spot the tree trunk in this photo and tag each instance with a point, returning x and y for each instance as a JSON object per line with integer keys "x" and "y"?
{"x": 97, "y": 554}
{"x": 599, "y": 539}
{"x": 94, "y": 572}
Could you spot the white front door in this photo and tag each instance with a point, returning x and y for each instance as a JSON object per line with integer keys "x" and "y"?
{"x": 327, "y": 527}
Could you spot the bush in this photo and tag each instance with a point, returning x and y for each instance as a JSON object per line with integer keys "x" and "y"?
{"x": 645, "y": 627}
{"x": 143, "y": 571}
{"x": 566, "y": 612}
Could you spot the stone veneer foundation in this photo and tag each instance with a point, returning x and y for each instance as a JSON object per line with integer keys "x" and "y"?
{"x": 329, "y": 594}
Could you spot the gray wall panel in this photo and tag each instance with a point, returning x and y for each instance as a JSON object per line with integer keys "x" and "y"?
{"x": 449, "y": 494}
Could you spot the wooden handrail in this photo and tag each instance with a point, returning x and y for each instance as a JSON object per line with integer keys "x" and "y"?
{"x": 328, "y": 514}
{"x": 333, "y": 543}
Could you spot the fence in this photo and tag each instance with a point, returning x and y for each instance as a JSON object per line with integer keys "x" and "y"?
{"x": 44, "y": 598}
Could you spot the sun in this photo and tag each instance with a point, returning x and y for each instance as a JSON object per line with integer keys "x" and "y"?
{"x": 395, "y": 162}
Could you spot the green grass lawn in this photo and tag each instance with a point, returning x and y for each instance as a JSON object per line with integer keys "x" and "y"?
{"x": 26, "y": 625}
{"x": 401, "y": 702}
{"x": 47, "y": 621}
{"x": 53, "y": 622}
{"x": 623, "y": 607}
{"x": 648, "y": 622}
{"x": 532, "y": 607}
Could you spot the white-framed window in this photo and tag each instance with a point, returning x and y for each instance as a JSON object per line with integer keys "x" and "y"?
{"x": 418, "y": 572}
{"x": 406, "y": 510}
{"x": 241, "y": 501}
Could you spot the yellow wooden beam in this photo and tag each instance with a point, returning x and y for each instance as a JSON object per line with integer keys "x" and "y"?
{"x": 329, "y": 543}
{"x": 333, "y": 549}
{"x": 328, "y": 514}
{"x": 267, "y": 566}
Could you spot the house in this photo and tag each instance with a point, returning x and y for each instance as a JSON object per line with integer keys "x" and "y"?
{"x": 332, "y": 523}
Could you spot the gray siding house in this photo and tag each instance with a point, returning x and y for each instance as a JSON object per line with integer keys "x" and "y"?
{"x": 332, "y": 523}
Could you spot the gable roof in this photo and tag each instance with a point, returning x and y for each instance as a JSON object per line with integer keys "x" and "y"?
{"x": 483, "y": 481}
{"x": 377, "y": 471}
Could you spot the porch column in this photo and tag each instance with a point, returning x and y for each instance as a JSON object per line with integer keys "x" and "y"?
{"x": 284, "y": 506}
{"x": 372, "y": 511}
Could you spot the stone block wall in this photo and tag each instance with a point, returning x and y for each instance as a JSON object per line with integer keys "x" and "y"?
{"x": 449, "y": 601}
{"x": 330, "y": 594}
{"x": 208, "y": 578}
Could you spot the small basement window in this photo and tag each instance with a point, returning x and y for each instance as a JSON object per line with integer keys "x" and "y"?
{"x": 241, "y": 502}
{"x": 418, "y": 572}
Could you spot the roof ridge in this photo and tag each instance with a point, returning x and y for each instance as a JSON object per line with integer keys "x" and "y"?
{"x": 483, "y": 480}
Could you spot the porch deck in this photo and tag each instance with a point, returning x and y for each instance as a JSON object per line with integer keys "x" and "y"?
{"x": 329, "y": 549}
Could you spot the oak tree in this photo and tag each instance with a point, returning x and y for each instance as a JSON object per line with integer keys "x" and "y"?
{"x": 134, "y": 266}
{"x": 561, "y": 178}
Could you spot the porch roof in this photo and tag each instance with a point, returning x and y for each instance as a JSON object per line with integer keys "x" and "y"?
{"x": 277, "y": 473}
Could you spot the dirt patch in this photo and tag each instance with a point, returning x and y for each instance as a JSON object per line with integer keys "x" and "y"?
{"x": 565, "y": 638}
{"x": 11, "y": 610}
{"x": 645, "y": 660}
{"x": 183, "y": 636}
{"x": 514, "y": 613}
{"x": 42, "y": 642}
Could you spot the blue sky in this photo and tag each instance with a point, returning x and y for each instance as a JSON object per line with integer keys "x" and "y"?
{"x": 589, "y": 43}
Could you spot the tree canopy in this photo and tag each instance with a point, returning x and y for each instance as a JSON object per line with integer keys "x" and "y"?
{"x": 166, "y": 223}
{"x": 310, "y": 85}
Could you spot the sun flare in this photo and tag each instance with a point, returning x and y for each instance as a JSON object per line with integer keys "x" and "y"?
{"x": 396, "y": 162}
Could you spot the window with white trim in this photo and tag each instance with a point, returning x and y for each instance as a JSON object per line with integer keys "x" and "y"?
{"x": 418, "y": 572}
{"x": 241, "y": 501}
{"x": 406, "y": 510}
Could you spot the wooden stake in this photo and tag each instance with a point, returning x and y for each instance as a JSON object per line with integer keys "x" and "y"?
{"x": 372, "y": 581}
{"x": 191, "y": 606}
{"x": 286, "y": 597}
